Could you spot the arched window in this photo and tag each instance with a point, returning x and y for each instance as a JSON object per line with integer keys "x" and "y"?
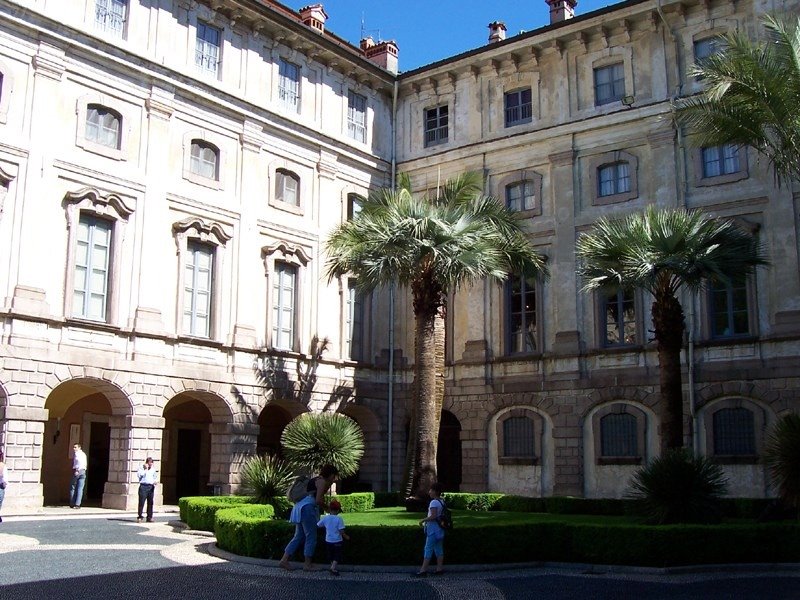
{"x": 103, "y": 126}
{"x": 618, "y": 435}
{"x": 204, "y": 160}
{"x": 519, "y": 437}
{"x": 734, "y": 432}
{"x": 287, "y": 187}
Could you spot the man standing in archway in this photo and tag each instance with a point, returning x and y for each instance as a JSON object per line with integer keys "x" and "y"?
{"x": 79, "y": 464}
{"x": 148, "y": 475}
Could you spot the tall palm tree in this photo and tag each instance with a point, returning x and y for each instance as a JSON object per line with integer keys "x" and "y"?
{"x": 432, "y": 245}
{"x": 662, "y": 251}
{"x": 751, "y": 96}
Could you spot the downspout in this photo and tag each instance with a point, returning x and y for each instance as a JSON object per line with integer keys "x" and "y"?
{"x": 390, "y": 395}
{"x": 680, "y": 188}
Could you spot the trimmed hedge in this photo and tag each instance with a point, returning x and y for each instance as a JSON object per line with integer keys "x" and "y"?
{"x": 242, "y": 529}
{"x": 548, "y": 541}
{"x": 198, "y": 511}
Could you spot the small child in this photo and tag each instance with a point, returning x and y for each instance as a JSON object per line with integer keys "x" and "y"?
{"x": 334, "y": 533}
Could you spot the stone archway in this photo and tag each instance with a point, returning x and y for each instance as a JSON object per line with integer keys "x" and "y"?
{"x": 369, "y": 475}
{"x": 272, "y": 420}
{"x": 448, "y": 453}
{"x": 84, "y": 411}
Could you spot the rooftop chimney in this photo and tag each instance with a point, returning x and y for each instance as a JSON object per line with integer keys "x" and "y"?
{"x": 561, "y": 10}
{"x": 497, "y": 32}
{"x": 314, "y": 16}
{"x": 383, "y": 54}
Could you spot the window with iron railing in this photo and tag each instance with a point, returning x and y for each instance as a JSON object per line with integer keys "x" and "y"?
{"x": 436, "y": 125}
{"x": 110, "y": 15}
{"x": 207, "y": 48}
{"x": 518, "y": 106}
{"x": 357, "y": 116}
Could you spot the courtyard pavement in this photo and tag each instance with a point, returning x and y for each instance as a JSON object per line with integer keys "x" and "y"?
{"x": 100, "y": 553}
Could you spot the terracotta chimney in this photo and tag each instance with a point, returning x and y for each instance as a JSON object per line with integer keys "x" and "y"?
{"x": 314, "y": 16}
{"x": 497, "y": 32}
{"x": 561, "y": 10}
{"x": 383, "y": 54}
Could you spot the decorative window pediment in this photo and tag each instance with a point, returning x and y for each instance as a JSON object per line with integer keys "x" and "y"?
{"x": 93, "y": 200}
{"x": 196, "y": 228}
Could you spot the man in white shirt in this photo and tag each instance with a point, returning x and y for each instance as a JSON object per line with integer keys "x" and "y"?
{"x": 79, "y": 463}
{"x": 148, "y": 475}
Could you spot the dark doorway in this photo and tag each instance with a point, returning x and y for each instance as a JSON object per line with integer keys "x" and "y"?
{"x": 97, "y": 469}
{"x": 187, "y": 473}
{"x": 448, "y": 452}
{"x": 271, "y": 423}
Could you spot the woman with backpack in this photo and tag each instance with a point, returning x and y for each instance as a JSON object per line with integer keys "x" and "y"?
{"x": 434, "y": 534}
{"x": 305, "y": 515}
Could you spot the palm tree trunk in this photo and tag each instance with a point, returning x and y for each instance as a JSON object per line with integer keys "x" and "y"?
{"x": 669, "y": 326}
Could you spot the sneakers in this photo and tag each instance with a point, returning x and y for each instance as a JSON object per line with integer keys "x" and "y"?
{"x": 149, "y": 520}
{"x": 138, "y": 519}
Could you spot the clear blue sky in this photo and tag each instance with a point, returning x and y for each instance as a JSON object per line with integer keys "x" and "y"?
{"x": 431, "y": 30}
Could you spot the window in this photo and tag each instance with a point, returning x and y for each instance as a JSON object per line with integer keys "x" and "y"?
{"x": 522, "y": 334}
{"x": 357, "y": 116}
{"x": 519, "y": 434}
{"x": 720, "y": 160}
{"x": 521, "y": 195}
{"x": 518, "y": 107}
{"x": 109, "y": 16}
{"x": 518, "y": 438}
{"x": 204, "y": 160}
{"x": 613, "y": 179}
{"x": 197, "y": 291}
{"x": 92, "y": 258}
{"x": 618, "y": 311}
{"x": 283, "y": 306}
{"x": 706, "y": 47}
{"x": 207, "y": 48}
{"x": 354, "y": 323}
{"x": 436, "y": 125}
{"x": 103, "y": 126}
{"x": 354, "y": 204}
{"x": 287, "y": 187}
{"x": 289, "y": 85}
{"x": 729, "y": 311}
{"x": 618, "y": 435}
{"x": 609, "y": 84}
{"x": 734, "y": 432}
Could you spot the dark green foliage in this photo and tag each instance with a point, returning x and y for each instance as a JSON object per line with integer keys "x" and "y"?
{"x": 783, "y": 458}
{"x": 316, "y": 439}
{"x": 282, "y": 506}
{"x": 521, "y": 504}
{"x": 198, "y": 511}
{"x": 358, "y": 502}
{"x": 678, "y": 487}
{"x": 743, "y": 508}
{"x": 386, "y": 499}
{"x": 474, "y": 502}
{"x": 264, "y": 477}
{"x": 241, "y": 529}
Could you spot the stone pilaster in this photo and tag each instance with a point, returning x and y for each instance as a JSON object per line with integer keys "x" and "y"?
{"x": 133, "y": 439}
{"x": 22, "y": 437}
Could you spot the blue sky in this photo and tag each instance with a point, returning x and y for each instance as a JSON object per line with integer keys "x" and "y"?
{"x": 430, "y": 30}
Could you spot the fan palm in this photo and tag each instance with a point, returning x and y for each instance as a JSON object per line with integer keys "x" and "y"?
{"x": 751, "y": 96}
{"x": 783, "y": 458}
{"x": 316, "y": 439}
{"x": 662, "y": 251}
{"x": 432, "y": 245}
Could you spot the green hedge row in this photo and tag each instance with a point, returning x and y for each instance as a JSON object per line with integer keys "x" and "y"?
{"x": 198, "y": 512}
{"x": 551, "y": 541}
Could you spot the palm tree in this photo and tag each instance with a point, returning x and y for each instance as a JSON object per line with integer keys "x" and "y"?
{"x": 751, "y": 96}
{"x": 783, "y": 459}
{"x": 662, "y": 251}
{"x": 432, "y": 245}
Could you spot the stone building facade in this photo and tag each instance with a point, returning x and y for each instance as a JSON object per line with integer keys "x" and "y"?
{"x": 169, "y": 171}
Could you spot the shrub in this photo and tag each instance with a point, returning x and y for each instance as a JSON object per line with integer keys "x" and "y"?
{"x": 264, "y": 477}
{"x": 198, "y": 511}
{"x": 473, "y": 502}
{"x": 358, "y": 502}
{"x": 521, "y": 504}
{"x": 386, "y": 499}
{"x": 316, "y": 439}
{"x": 679, "y": 487}
{"x": 241, "y": 529}
{"x": 783, "y": 458}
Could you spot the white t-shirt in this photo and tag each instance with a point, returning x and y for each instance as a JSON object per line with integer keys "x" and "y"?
{"x": 334, "y": 525}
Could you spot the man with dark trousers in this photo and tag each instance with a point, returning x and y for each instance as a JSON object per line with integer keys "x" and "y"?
{"x": 148, "y": 475}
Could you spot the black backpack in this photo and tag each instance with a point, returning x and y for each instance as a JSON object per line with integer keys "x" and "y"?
{"x": 445, "y": 517}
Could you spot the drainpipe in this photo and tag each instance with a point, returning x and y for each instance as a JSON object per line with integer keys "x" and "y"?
{"x": 390, "y": 396}
{"x": 680, "y": 189}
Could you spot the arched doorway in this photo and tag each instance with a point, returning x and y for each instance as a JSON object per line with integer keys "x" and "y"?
{"x": 368, "y": 477}
{"x": 79, "y": 412}
{"x": 448, "y": 452}
{"x": 271, "y": 423}
{"x": 186, "y": 447}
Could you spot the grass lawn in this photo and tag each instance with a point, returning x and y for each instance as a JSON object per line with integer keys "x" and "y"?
{"x": 399, "y": 516}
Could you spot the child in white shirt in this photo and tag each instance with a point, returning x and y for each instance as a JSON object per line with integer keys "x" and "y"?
{"x": 334, "y": 534}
